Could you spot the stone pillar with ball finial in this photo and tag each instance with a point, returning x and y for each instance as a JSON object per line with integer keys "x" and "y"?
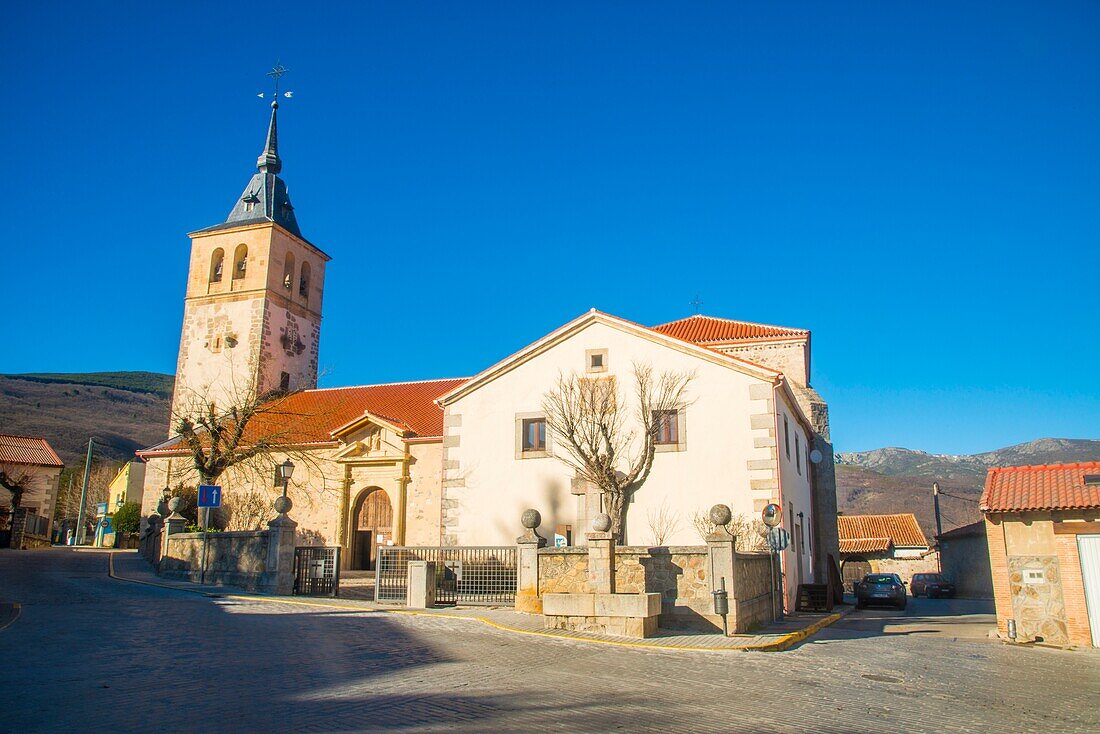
{"x": 173, "y": 524}
{"x": 601, "y": 555}
{"x": 722, "y": 555}
{"x": 278, "y": 577}
{"x": 527, "y": 563}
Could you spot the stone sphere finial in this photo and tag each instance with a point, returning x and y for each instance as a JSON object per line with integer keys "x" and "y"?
{"x": 601, "y": 523}
{"x": 174, "y": 504}
{"x": 531, "y": 518}
{"x": 283, "y": 505}
{"x": 721, "y": 515}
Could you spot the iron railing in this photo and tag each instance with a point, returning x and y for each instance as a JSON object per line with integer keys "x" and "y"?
{"x": 482, "y": 575}
{"x": 316, "y": 570}
{"x": 37, "y": 525}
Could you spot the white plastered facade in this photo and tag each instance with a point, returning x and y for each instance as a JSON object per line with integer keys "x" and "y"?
{"x": 727, "y": 451}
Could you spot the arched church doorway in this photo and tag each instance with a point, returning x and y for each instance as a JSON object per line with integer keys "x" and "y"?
{"x": 373, "y": 524}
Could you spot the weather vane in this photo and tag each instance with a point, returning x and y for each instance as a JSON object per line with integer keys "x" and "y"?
{"x": 696, "y": 303}
{"x": 276, "y": 73}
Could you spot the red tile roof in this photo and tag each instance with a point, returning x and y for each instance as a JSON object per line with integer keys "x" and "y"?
{"x": 865, "y": 545}
{"x": 1046, "y": 487}
{"x": 310, "y": 416}
{"x": 902, "y": 529}
{"x": 701, "y": 329}
{"x": 27, "y": 450}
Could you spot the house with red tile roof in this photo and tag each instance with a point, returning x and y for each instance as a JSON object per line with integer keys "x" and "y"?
{"x": 883, "y": 544}
{"x": 1043, "y": 534}
{"x": 447, "y": 461}
{"x": 30, "y": 463}
{"x": 742, "y": 436}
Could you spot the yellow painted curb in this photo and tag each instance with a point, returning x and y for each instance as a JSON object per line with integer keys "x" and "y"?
{"x": 791, "y": 639}
{"x": 782, "y": 643}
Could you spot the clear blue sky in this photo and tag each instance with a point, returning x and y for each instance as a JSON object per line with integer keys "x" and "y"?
{"x": 917, "y": 183}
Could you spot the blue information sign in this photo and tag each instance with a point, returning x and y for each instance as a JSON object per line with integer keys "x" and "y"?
{"x": 210, "y": 495}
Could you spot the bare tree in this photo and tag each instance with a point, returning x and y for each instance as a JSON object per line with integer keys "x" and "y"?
{"x": 242, "y": 429}
{"x": 663, "y": 522}
{"x": 605, "y": 442}
{"x": 16, "y": 479}
{"x": 750, "y": 533}
{"x": 69, "y": 493}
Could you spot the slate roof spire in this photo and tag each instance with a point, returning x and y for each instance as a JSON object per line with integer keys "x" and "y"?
{"x": 269, "y": 162}
{"x": 266, "y": 198}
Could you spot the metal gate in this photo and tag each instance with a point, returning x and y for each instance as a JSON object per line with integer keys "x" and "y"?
{"x": 316, "y": 571}
{"x": 484, "y": 575}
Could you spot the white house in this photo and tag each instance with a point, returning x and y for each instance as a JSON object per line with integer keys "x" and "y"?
{"x": 739, "y": 438}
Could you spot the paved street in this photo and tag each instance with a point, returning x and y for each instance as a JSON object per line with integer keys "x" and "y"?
{"x": 90, "y": 651}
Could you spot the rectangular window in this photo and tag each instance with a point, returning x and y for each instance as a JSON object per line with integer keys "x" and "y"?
{"x": 786, "y": 438}
{"x": 797, "y": 455}
{"x": 667, "y": 427}
{"x": 284, "y": 382}
{"x": 534, "y": 434}
{"x": 595, "y": 360}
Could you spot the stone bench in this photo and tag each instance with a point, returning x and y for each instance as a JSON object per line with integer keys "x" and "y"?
{"x": 626, "y": 615}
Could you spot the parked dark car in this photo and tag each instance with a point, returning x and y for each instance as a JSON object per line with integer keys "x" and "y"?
{"x": 932, "y": 585}
{"x": 881, "y": 588}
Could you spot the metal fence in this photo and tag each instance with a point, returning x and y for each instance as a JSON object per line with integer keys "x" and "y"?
{"x": 316, "y": 570}
{"x": 37, "y": 525}
{"x": 484, "y": 575}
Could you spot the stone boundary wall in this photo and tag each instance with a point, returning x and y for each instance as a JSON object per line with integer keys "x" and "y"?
{"x": 20, "y": 539}
{"x": 232, "y": 558}
{"x": 752, "y": 592}
{"x": 150, "y": 543}
{"x": 678, "y": 573}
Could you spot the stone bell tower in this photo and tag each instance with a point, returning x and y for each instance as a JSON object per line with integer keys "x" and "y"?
{"x": 252, "y": 313}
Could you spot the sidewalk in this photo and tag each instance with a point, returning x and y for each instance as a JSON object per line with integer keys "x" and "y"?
{"x": 129, "y": 566}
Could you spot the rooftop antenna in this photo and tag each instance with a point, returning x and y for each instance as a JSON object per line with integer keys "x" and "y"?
{"x": 696, "y": 303}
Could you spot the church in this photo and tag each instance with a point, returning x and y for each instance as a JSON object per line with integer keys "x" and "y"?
{"x": 455, "y": 461}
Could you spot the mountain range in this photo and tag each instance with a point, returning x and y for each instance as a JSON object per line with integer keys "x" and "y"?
{"x": 125, "y": 411}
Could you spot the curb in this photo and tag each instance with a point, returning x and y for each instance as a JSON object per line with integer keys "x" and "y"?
{"x": 791, "y": 639}
{"x": 778, "y": 645}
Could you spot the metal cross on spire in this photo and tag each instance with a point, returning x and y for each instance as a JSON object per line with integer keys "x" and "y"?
{"x": 276, "y": 73}
{"x": 696, "y": 303}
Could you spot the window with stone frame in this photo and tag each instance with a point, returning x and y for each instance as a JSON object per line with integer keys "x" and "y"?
{"x": 533, "y": 436}
{"x": 787, "y": 438}
{"x": 666, "y": 424}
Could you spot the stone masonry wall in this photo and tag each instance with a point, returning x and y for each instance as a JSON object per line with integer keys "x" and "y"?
{"x": 677, "y": 573}
{"x": 232, "y": 558}
{"x": 752, "y": 593}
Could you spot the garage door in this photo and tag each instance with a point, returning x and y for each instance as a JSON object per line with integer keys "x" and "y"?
{"x": 1089, "y": 547}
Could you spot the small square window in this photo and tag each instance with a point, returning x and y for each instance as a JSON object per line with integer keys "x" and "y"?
{"x": 534, "y": 434}
{"x": 595, "y": 360}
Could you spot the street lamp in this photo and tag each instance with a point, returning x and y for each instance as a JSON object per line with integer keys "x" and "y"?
{"x": 286, "y": 471}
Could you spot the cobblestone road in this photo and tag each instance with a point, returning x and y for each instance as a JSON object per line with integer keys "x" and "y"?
{"x": 88, "y": 650}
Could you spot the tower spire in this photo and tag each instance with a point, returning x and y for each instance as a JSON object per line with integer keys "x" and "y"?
{"x": 269, "y": 161}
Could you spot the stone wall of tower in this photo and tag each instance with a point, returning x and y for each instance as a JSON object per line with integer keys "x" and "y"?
{"x": 244, "y": 327}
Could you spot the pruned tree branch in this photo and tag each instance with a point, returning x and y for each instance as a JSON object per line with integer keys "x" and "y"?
{"x": 594, "y": 434}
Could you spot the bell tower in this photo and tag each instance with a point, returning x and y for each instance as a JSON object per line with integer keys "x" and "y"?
{"x": 252, "y": 312}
